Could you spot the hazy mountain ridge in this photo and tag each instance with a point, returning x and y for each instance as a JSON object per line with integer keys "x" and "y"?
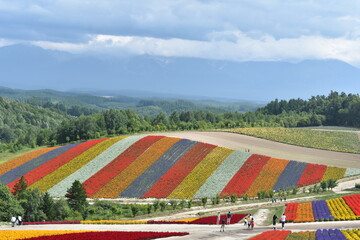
{"x": 30, "y": 67}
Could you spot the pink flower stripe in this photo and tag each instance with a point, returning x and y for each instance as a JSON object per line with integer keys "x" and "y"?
{"x": 111, "y": 235}
{"x": 313, "y": 173}
{"x": 243, "y": 179}
{"x": 97, "y": 181}
{"x": 13, "y": 163}
{"x": 175, "y": 175}
{"x": 50, "y": 166}
{"x": 353, "y": 201}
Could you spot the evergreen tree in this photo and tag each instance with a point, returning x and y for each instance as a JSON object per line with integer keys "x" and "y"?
{"x": 76, "y": 198}
{"x": 19, "y": 187}
{"x": 48, "y": 207}
{"x": 9, "y": 206}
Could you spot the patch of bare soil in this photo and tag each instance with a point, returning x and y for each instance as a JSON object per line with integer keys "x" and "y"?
{"x": 271, "y": 148}
{"x": 261, "y": 216}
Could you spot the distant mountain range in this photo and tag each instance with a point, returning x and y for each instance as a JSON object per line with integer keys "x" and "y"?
{"x": 146, "y": 105}
{"x": 29, "y": 67}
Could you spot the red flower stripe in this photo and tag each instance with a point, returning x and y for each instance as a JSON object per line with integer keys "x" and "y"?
{"x": 50, "y": 166}
{"x": 235, "y": 218}
{"x": 313, "y": 173}
{"x": 290, "y": 211}
{"x": 278, "y": 235}
{"x": 243, "y": 179}
{"x": 98, "y": 180}
{"x": 13, "y": 163}
{"x": 353, "y": 201}
{"x": 175, "y": 175}
{"x": 111, "y": 235}
{"x": 121, "y": 181}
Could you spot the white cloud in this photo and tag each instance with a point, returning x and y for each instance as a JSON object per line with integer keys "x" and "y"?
{"x": 240, "y": 47}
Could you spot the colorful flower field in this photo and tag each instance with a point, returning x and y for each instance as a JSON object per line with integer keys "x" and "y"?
{"x": 88, "y": 235}
{"x": 320, "y": 234}
{"x": 150, "y": 166}
{"x": 344, "y": 208}
{"x": 211, "y": 220}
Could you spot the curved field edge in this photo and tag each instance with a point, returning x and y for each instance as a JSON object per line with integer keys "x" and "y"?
{"x": 338, "y": 141}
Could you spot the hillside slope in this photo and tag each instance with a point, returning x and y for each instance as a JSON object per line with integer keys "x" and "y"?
{"x": 162, "y": 167}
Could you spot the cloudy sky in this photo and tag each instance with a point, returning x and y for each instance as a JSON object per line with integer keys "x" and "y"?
{"x": 235, "y": 30}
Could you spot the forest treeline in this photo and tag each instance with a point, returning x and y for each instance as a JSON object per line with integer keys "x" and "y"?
{"x": 25, "y": 125}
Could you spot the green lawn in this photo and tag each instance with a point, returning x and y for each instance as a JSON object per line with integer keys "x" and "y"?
{"x": 341, "y": 141}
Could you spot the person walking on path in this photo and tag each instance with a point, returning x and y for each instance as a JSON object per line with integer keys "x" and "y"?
{"x": 249, "y": 221}
{"x": 283, "y": 219}
{"x": 228, "y": 218}
{"x": 218, "y": 218}
{"x": 19, "y": 220}
{"x": 274, "y": 221}
{"x": 252, "y": 222}
{"x": 13, "y": 221}
{"x": 222, "y": 225}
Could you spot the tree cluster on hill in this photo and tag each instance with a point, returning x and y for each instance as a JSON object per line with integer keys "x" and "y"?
{"x": 22, "y": 124}
{"x": 335, "y": 109}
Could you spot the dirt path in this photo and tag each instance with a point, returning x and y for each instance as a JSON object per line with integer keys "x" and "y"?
{"x": 346, "y": 185}
{"x": 270, "y": 148}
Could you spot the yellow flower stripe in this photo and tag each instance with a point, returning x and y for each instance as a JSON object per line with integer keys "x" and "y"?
{"x": 13, "y": 163}
{"x": 119, "y": 183}
{"x": 353, "y": 234}
{"x": 70, "y": 167}
{"x": 25, "y": 234}
{"x": 198, "y": 176}
{"x": 333, "y": 173}
{"x": 187, "y": 220}
{"x": 113, "y": 222}
{"x": 340, "y": 210}
{"x": 304, "y": 213}
{"x": 268, "y": 176}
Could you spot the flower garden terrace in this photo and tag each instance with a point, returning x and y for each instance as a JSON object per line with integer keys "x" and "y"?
{"x": 152, "y": 166}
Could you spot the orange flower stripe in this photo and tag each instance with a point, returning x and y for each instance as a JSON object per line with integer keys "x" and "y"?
{"x": 13, "y": 163}
{"x": 198, "y": 176}
{"x": 26, "y": 234}
{"x": 334, "y": 173}
{"x": 70, "y": 167}
{"x": 121, "y": 181}
{"x": 304, "y": 213}
{"x": 268, "y": 176}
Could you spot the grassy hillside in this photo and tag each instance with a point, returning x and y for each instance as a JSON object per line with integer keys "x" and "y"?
{"x": 147, "y": 166}
{"x": 342, "y": 141}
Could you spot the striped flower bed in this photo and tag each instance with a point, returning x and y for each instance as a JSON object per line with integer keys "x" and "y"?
{"x": 191, "y": 184}
{"x": 146, "y": 166}
{"x": 139, "y": 166}
{"x": 144, "y": 182}
{"x": 88, "y": 235}
{"x": 268, "y": 176}
{"x": 200, "y": 220}
{"x": 104, "y": 177}
{"x": 320, "y": 234}
{"x": 243, "y": 179}
{"x": 179, "y": 171}
{"x": 324, "y": 210}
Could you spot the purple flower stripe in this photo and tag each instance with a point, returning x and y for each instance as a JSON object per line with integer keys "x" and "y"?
{"x": 145, "y": 181}
{"x": 321, "y": 210}
{"x": 21, "y": 170}
{"x": 329, "y": 234}
{"x": 290, "y": 176}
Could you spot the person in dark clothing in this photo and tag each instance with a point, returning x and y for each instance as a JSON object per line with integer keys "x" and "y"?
{"x": 222, "y": 225}
{"x": 274, "y": 221}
